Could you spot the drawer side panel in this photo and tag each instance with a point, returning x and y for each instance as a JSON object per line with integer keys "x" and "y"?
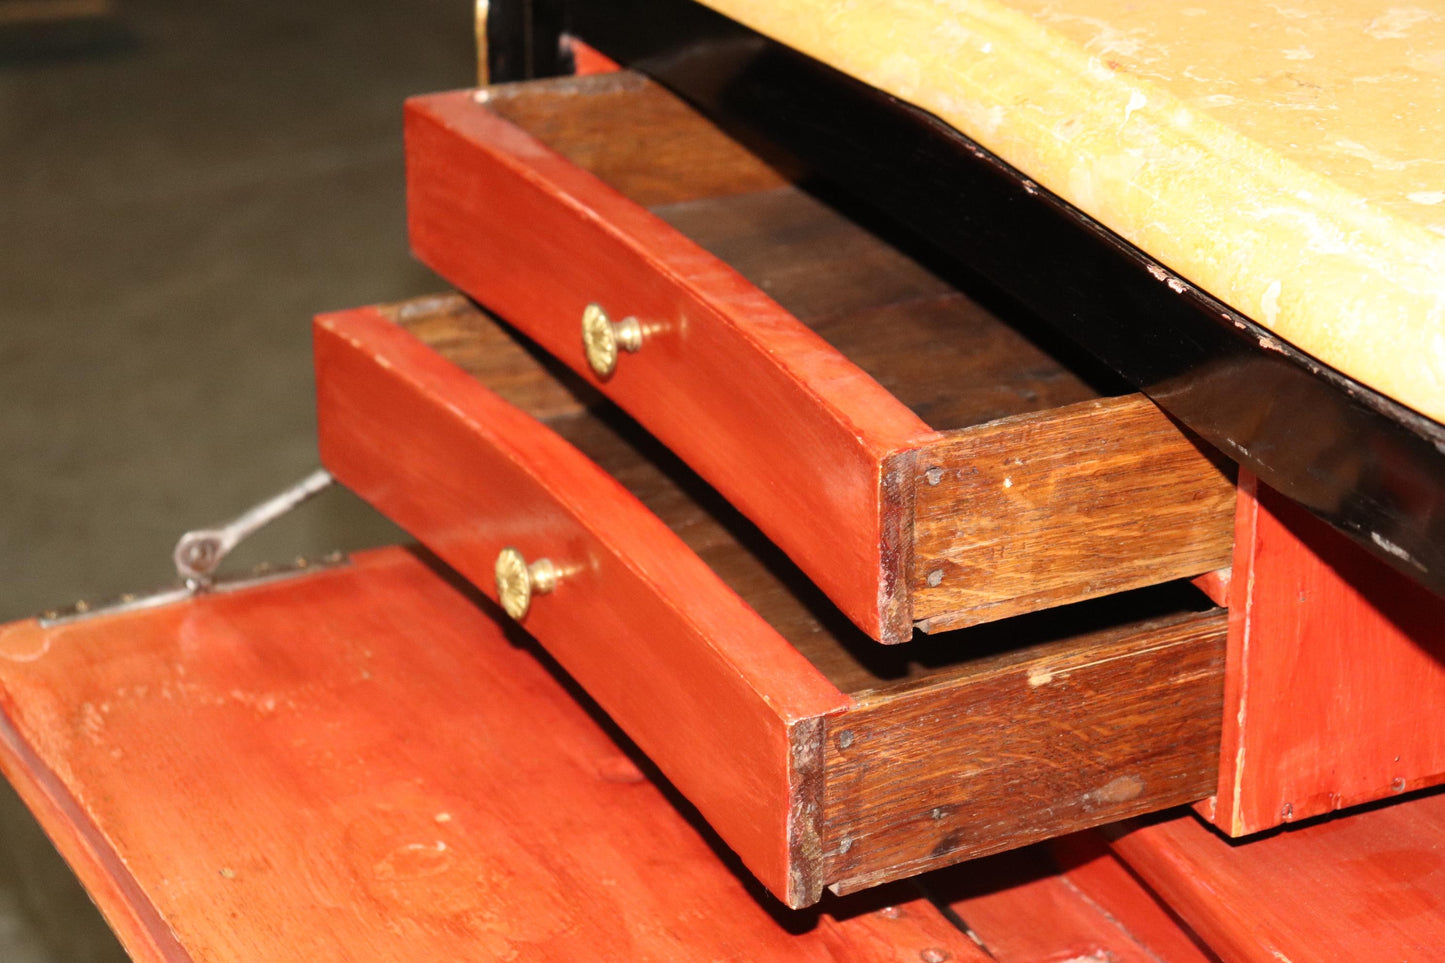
{"x": 703, "y": 685}
{"x": 1023, "y": 748}
{"x": 1059, "y": 506}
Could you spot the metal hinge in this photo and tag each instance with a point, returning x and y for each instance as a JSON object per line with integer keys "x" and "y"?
{"x": 199, "y": 553}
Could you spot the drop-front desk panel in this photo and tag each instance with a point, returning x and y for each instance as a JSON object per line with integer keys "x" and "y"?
{"x": 868, "y": 572}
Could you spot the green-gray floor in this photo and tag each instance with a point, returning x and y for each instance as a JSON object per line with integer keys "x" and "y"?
{"x": 178, "y": 194}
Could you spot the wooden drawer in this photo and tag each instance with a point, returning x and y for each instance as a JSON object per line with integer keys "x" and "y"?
{"x": 818, "y": 757}
{"x": 921, "y": 460}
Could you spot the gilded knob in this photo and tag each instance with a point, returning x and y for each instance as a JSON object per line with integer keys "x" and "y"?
{"x": 517, "y": 581}
{"x": 603, "y": 339}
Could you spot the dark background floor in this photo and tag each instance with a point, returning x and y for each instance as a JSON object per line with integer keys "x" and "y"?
{"x": 181, "y": 188}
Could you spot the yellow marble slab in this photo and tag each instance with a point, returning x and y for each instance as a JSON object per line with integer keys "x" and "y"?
{"x": 1287, "y": 157}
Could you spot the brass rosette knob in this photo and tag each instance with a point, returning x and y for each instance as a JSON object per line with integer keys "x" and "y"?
{"x": 518, "y": 581}
{"x": 603, "y": 340}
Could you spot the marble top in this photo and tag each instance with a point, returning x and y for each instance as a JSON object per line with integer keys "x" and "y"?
{"x": 1288, "y": 157}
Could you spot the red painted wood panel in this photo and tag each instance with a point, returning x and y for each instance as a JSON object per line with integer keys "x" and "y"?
{"x": 1368, "y": 886}
{"x": 587, "y": 60}
{"x": 782, "y": 424}
{"x": 728, "y": 710}
{"x": 359, "y": 764}
{"x": 1335, "y": 673}
{"x": 1024, "y": 911}
{"x": 1099, "y": 877}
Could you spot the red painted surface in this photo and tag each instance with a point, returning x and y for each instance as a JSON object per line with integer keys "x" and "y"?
{"x": 1368, "y": 886}
{"x": 787, "y": 428}
{"x": 359, "y": 764}
{"x": 706, "y": 688}
{"x": 1105, "y": 883}
{"x": 1044, "y": 918}
{"x": 1335, "y": 673}
{"x": 588, "y": 60}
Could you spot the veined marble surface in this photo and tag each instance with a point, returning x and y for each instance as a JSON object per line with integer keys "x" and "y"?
{"x": 1287, "y": 157}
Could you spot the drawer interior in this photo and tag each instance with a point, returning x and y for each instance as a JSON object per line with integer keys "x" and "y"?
{"x": 917, "y": 325}
{"x": 732, "y": 546}
{"x": 1047, "y": 481}
{"x": 978, "y": 740}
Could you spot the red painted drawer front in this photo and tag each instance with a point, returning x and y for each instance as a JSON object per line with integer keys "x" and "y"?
{"x": 705, "y": 687}
{"x": 360, "y": 765}
{"x": 1068, "y": 501}
{"x": 785, "y": 426}
{"x": 818, "y": 758}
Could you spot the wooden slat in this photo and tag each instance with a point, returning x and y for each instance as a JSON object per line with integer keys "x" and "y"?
{"x": 360, "y": 764}
{"x": 1063, "y": 505}
{"x": 1336, "y": 667}
{"x": 1099, "y": 876}
{"x": 775, "y": 418}
{"x": 1022, "y": 747}
{"x": 1365, "y": 887}
{"x": 728, "y": 710}
{"x": 1025, "y": 908}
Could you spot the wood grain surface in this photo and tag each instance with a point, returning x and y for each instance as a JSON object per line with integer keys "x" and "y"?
{"x": 722, "y": 703}
{"x": 775, "y": 418}
{"x": 1370, "y": 886}
{"x": 1026, "y": 908}
{"x": 671, "y": 152}
{"x": 1069, "y": 504}
{"x": 902, "y": 333}
{"x": 1004, "y": 751}
{"x": 1093, "y": 870}
{"x": 453, "y": 327}
{"x": 953, "y": 360}
{"x": 360, "y": 765}
{"x": 916, "y": 693}
{"x": 1336, "y": 671}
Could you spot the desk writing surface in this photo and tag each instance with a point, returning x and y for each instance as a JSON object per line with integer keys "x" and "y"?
{"x": 1286, "y": 157}
{"x": 361, "y": 764}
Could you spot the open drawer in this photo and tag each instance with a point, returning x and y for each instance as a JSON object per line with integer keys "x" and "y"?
{"x": 819, "y": 757}
{"x": 922, "y": 461}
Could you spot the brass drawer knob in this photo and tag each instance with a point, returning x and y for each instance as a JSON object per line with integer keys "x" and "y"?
{"x": 517, "y": 581}
{"x": 603, "y": 339}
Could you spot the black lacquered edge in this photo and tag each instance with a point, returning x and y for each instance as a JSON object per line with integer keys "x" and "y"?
{"x": 1367, "y": 465}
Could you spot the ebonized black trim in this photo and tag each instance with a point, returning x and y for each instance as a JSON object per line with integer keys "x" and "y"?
{"x": 524, "y": 40}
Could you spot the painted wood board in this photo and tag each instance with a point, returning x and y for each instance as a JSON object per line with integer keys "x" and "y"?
{"x": 1284, "y": 157}
{"x": 1335, "y": 677}
{"x": 725, "y": 377}
{"x": 1025, "y": 907}
{"x": 1098, "y": 875}
{"x": 361, "y": 764}
{"x": 1368, "y": 886}
{"x": 729, "y": 711}
{"x": 806, "y": 434}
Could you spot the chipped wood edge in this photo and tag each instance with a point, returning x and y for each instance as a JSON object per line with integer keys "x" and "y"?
{"x": 807, "y": 785}
{"x": 895, "y": 547}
